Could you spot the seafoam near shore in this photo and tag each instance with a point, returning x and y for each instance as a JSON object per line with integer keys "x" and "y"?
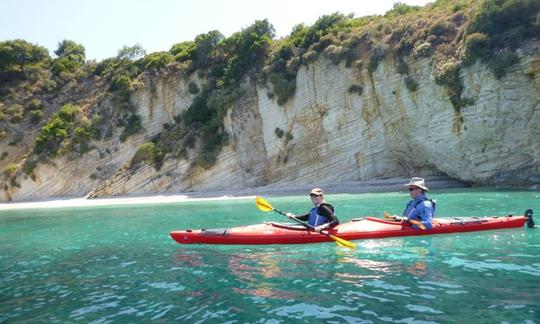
{"x": 383, "y": 185}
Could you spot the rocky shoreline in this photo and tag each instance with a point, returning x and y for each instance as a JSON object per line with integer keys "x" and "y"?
{"x": 381, "y": 185}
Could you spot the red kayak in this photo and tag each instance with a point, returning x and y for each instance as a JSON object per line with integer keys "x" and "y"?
{"x": 365, "y": 228}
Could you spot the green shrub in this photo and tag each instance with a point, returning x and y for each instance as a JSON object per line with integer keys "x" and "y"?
{"x": 328, "y": 24}
{"x": 36, "y": 116}
{"x": 457, "y": 7}
{"x": 279, "y": 132}
{"x": 48, "y": 85}
{"x": 81, "y": 137}
{"x": 71, "y": 56}
{"x": 106, "y": 66}
{"x": 333, "y": 53}
{"x": 284, "y": 86}
{"x": 57, "y": 130}
{"x": 183, "y": 51}
{"x": 442, "y": 28}
{"x": 204, "y": 45}
{"x": 145, "y": 153}
{"x": 131, "y": 53}
{"x": 155, "y": 61}
{"x": 289, "y": 137}
{"x": 69, "y": 48}
{"x": 29, "y": 166}
{"x": 475, "y": 45}
{"x": 65, "y": 67}
{"x": 378, "y": 52}
{"x": 309, "y": 56}
{"x": 9, "y": 170}
{"x": 131, "y": 126}
{"x": 250, "y": 46}
{"x": 401, "y": 66}
{"x": 35, "y": 104}
{"x": 501, "y": 61}
{"x": 282, "y": 73}
{"x": 400, "y": 9}
{"x": 16, "y": 55}
{"x": 15, "y": 113}
{"x": 356, "y": 88}
{"x": 213, "y": 139}
{"x": 198, "y": 111}
{"x": 507, "y": 22}
{"x": 499, "y": 28}
{"x": 193, "y": 88}
{"x": 446, "y": 73}
{"x": 411, "y": 84}
{"x": 122, "y": 83}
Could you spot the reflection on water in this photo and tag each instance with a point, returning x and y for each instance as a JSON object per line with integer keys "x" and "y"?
{"x": 254, "y": 270}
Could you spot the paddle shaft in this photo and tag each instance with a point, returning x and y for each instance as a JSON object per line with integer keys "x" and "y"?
{"x": 304, "y": 224}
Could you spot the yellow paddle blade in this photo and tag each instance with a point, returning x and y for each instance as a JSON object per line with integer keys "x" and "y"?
{"x": 342, "y": 242}
{"x": 263, "y": 205}
{"x": 417, "y": 223}
{"x": 387, "y": 215}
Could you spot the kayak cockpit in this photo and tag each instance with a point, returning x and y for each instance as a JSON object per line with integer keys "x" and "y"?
{"x": 289, "y": 226}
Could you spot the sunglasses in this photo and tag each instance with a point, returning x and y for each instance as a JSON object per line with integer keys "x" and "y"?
{"x": 413, "y": 189}
{"x": 314, "y": 195}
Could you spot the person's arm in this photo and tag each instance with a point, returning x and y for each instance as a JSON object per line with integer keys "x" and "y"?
{"x": 327, "y": 212}
{"x": 304, "y": 217}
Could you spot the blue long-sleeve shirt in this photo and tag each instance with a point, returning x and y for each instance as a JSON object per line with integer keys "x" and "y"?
{"x": 421, "y": 209}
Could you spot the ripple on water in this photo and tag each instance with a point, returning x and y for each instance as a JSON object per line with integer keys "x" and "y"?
{"x": 422, "y": 309}
{"x": 304, "y": 310}
{"x": 492, "y": 265}
{"x": 98, "y": 302}
{"x": 169, "y": 286}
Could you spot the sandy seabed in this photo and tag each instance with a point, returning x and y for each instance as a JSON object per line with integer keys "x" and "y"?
{"x": 382, "y": 185}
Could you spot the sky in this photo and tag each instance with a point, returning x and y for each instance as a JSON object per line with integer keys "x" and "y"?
{"x": 105, "y": 26}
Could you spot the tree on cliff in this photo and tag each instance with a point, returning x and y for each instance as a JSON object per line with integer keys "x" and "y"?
{"x": 71, "y": 56}
{"x": 18, "y": 53}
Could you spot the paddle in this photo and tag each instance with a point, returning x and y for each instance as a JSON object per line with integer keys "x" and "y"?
{"x": 265, "y": 206}
{"x": 412, "y": 221}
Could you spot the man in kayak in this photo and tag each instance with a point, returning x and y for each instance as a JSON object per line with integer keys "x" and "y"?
{"x": 420, "y": 208}
{"x": 322, "y": 215}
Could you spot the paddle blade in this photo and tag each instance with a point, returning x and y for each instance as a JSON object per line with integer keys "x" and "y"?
{"x": 387, "y": 215}
{"x": 263, "y": 205}
{"x": 417, "y": 223}
{"x": 343, "y": 243}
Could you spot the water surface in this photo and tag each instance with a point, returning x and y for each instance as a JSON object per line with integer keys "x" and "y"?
{"x": 118, "y": 264}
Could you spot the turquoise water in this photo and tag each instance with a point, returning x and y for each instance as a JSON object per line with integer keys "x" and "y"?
{"x": 118, "y": 264}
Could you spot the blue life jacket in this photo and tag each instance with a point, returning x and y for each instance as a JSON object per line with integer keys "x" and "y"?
{"x": 315, "y": 219}
{"x": 411, "y": 210}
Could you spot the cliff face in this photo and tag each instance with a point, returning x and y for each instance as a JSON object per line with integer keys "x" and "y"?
{"x": 332, "y": 134}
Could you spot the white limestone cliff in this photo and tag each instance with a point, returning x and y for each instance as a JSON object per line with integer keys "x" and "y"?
{"x": 337, "y": 136}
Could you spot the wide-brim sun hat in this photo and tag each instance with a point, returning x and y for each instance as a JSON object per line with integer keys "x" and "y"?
{"x": 417, "y": 182}
{"x": 316, "y": 191}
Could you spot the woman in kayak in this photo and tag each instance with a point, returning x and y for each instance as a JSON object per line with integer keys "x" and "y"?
{"x": 322, "y": 215}
{"x": 420, "y": 208}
